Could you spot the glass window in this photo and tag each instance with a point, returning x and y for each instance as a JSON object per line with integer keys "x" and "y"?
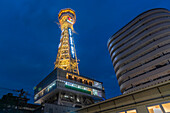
{"x": 166, "y": 107}
{"x": 99, "y": 93}
{"x": 80, "y": 80}
{"x": 85, "y": 82}
{"x": 75, "y": 78}
{"x": 131, "y": 111}
{"x": 82, "y": 87}
{"x": 94, "y": 92}
{"x": 70, "y": 77}
{"x": 75, "y": 85}
{"x": 97, "y": 84}
{"x": 154, "y": 109}
{"x": 90, "y": 83}
{"x": 68, "y": 83}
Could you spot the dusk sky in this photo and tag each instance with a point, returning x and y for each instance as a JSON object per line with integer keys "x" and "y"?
{"x": 29, "y": 38}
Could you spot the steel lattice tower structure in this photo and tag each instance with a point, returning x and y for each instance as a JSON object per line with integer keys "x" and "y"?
{"x": 64, "y": 89}
{"x": 66, "y": 56}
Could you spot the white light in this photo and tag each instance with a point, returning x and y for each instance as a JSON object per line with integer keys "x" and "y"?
{"x": 61, "y": 37}
{"x": 51, "y": 85}
{"x": 157, "y": 110}
{"x": 66, "y": 96}
{"x": 70, "y": 22}
{"x": 78, "y": 100}
{"x": 72, "y": 48}
{"x": 59, "y": 45}
{"x": 71, "y": 43}
{"x": 70, "y": 32}
{"x": 79, "y": 86}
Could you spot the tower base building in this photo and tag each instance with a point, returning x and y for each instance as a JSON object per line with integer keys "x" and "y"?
{"x": 62, "y": 88}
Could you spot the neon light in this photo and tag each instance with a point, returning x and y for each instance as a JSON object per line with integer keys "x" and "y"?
{"x": 70, "y": 32}
{"x": 59, "y": 45}
{"x": 77, "y": 89}
{"x": 70, "y": 20}
{"x": 61, "y": 37}
{"x": 71, "y": 44}
{"x": 71, "y": 40}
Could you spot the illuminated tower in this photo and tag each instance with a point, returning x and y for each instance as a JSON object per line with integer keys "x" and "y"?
{"x": 66, "y": 56}
{"x": 64, "y": 89}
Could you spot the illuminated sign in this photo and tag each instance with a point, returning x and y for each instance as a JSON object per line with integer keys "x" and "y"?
{"x": 72, "y": 49}
{"x": 70, "y": 20}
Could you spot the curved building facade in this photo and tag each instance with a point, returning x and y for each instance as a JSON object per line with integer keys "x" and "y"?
{"x": 140, "y": 51}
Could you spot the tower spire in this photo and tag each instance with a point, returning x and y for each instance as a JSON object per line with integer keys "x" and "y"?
{"x": 66, "y": 56}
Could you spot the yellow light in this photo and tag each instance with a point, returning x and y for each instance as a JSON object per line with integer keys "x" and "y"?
{"x": 66, "y": 10}
{"x": 64, "y": 58}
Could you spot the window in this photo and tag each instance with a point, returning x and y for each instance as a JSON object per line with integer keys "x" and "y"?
{"x": 90, "y": 83}
{"x": 74, "y": 85}
{"x": 97, "y": 84}
{"x": 70, "y": 77}
{"x": 75, "y": 78}
{"x": 154, "y": 109}
{"x": 129, "y": 111}
{"x": 80, "y": 80}
{"x": 97, "y": 93}
{"x": 166, "y": 107}
{"x": 85, "y": 82}
{"x": 94, "y": 92}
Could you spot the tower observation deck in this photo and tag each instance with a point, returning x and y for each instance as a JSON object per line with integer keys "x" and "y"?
{"x": 66, "y": 56}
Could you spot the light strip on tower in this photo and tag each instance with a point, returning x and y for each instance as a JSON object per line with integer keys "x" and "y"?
{"x": 71, "y": 43}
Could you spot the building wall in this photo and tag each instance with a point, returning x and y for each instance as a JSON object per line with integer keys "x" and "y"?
{"x": 53, "y": 108}
{"x": 141, "y": 101}
{"x": 140, "y": 51}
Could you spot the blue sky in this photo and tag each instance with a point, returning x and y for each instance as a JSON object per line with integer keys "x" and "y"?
{"x": 29, "y": 38}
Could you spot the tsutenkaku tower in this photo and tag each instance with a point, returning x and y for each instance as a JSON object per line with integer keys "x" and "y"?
{"x": 66, "y": 56}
